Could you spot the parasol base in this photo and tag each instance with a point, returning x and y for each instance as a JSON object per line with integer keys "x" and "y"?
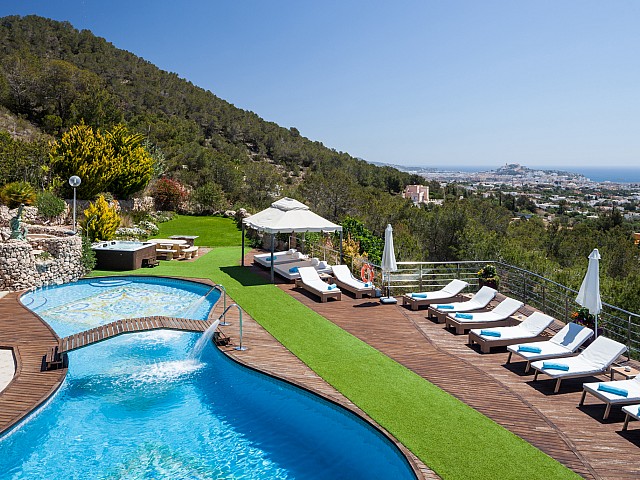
{"x": 388, "y": 300}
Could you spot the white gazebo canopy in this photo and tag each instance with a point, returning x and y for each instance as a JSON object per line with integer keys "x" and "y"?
{"x": 288, "y": 215}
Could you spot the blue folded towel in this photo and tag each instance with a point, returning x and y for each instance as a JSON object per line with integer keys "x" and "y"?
{"x": 603, "y": 387}
{"x": 528, "y": 348}
{"x": 333, "y": 286}
{"x": 368, "y": 285}
{"x": 271, "y": 259}
{"x": 445, "y": 307}
{"x": 490, "y": 333}
{"x": 293, "y": 270}
{"x": 555, "y": 366}
{"x": 467, "y": 316}
{"x": 419, "y": 295}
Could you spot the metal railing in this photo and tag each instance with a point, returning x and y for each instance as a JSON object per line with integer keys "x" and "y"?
{"x": 535, "y": 290}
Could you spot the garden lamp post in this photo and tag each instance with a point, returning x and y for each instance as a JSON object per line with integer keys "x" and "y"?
{"x": 75, "y": 183}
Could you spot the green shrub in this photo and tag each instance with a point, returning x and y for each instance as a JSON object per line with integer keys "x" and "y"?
{"x": 49, "y": 205}
{"x": 209, "y": 198}
{"x": 88, "y": 256}
{"x": 15, "y": 193}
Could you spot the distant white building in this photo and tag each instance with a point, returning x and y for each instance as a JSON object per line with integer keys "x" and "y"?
{"x": 417, "y": 193}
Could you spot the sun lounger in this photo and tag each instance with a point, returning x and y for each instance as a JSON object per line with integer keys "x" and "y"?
{"x": 631, "y": 411}
{"x": 264, "y": 259}
{"x": 449, "y": 293}
{"x": 479, "y": 301}
{"x": 595, "y": 359}
{"x": 563, "y": 344}
{"x": 498, "y": 317}
{"x": 346, "y": 281}
{"x": 616, "y": 392}
{"x": 311, "y": 282}
{"x": 530, "y": 329}
{"x": 290, "y": 270}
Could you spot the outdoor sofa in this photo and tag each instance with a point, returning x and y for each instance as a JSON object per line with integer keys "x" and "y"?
{"x": 292, "y": 255}
{"x": 290, "y": 270}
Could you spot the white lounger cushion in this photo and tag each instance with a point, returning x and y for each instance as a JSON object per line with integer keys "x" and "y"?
{"x": 632, "y": 410}
{"x": 631, "y": 386}
{"x": 504, "y": 309}
{"x": 343, "y": 274}
{"x": 479, "y": 300}
{"x": 531, "y": 326}
{"x": 281, "y": 257}
{"x": 596, "y": 358}
{"x": 284, "y": 269}
{"x": 563, "y": 343}
{"x": 451, "y": 289}
{"x": 310, "y": 277}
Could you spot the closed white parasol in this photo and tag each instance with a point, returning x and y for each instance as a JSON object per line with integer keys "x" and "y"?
{"x": 589, "y": 294}
{"x": 388, "y": 264}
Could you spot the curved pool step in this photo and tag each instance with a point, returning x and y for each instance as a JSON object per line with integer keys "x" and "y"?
{"x": 110, "y": 283}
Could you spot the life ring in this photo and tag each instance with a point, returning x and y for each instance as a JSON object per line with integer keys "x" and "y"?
{"x": 366, "y": 273}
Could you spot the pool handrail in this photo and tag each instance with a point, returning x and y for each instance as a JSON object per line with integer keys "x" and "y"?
{"x": 240, "y": 347}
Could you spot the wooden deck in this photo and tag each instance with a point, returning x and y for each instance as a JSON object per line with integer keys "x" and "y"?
{"x": 30, "y": 339}
{"x": 575, "y": 436}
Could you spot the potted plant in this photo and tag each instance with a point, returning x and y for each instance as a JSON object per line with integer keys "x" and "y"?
{"x": 583, "y": 317}
{"x": 488, "y": 275}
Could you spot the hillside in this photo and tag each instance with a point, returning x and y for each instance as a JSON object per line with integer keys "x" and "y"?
{"x": 56, "y": 76}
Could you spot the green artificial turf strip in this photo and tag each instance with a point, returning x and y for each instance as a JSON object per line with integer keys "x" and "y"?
{"x": 212, "y": 231}
{"x": 450, "y": 437}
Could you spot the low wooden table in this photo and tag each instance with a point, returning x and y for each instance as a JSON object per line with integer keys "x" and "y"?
{"x": 627, "y": 374}
{"x": 190, "y": 239}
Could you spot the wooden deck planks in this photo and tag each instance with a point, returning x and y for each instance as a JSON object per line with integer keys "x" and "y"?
{"x": 577, "y": 437}
{"x": 30, "y": 339}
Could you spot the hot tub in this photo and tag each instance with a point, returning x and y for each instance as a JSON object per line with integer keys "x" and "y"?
{"x": 124, "y": 255}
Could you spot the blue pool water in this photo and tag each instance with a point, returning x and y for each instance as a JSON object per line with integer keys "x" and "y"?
{"x": 139, "y": 406}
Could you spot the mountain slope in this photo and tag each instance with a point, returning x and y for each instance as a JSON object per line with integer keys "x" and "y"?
{"x": 56, "y": 76}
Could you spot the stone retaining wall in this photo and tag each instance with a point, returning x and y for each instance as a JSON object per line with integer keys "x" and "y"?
{"x": 21, "y": 268}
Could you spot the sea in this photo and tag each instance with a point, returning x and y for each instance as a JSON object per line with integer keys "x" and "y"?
{"x": 613, "y": 174}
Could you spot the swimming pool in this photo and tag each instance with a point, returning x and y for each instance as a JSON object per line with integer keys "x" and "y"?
{"x": 139, "y": 406}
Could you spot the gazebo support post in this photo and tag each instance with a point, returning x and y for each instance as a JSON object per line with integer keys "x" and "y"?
{"x": 341, "y": 257}
{"x": 273, "y": 248}
{"x": 242, "y": 251}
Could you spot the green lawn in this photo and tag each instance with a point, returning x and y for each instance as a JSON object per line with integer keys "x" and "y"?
{"x": 212, "y": 231}
{"x": 451, "y": 438}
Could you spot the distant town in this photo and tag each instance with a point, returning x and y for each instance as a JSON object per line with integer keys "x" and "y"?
{"x": 551, "y": 191}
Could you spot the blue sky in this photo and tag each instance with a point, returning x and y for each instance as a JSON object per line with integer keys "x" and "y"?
{"x": 424, "y": 82}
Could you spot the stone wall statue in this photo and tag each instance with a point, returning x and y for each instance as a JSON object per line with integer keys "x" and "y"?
{"x": 18, "y": 230}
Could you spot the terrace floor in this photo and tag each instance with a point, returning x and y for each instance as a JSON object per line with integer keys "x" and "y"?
{"x": 575, "y": 436}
